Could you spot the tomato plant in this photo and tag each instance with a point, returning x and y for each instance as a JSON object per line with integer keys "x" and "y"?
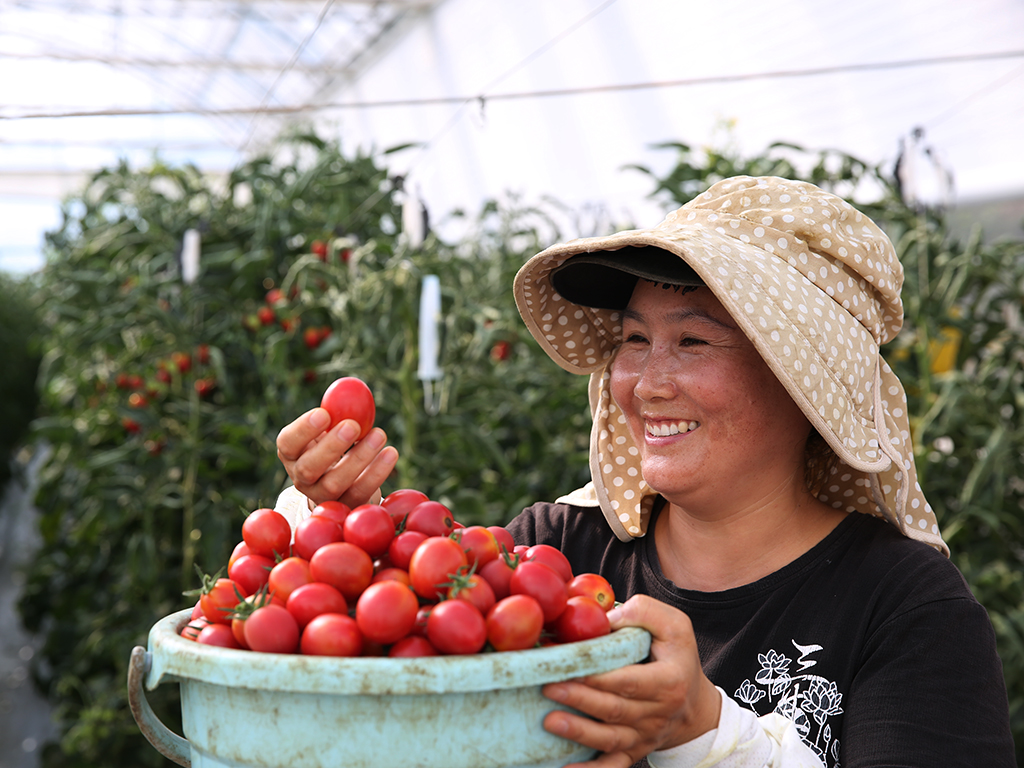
{"x": 350, "y": 398}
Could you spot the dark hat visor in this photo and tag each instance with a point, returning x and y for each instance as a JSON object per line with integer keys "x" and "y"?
{"x": 606, "y": 279}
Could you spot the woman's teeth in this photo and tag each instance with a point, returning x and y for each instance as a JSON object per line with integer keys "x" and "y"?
{"x": 664, "y": 429}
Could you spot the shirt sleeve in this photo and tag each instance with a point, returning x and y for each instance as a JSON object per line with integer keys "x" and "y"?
{"x": 741, "y": 740}
{"x": 294, "y": 505}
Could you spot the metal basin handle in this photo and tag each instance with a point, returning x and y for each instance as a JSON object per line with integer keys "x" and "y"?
{"x": 167, "y": 742}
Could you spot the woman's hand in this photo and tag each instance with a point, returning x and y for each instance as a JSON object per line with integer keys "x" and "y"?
{"x": 643, "y": 707}
{"x": 331, "y": 465}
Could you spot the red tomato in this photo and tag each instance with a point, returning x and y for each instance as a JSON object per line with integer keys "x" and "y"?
{"x": 502, "y": 536}
{"x": 238, "y": 630}
{"x": 433, "y": 564}
{"x": 310, "y": 600}
{"x": 219, "y": 635}
{"x": 545, "y": 553}
{"x": 386, "y": 611}
{"x": 220, "y": 600}
{"x": 241, "y": 548}
{"x": 497, "y": 573}
{"x": 350, "y": 398}
{"x": 197, "y": 610}
{"x": 412, "y": 646}
{"x": 480, "y": 545}
{"x": 370, "y": 528}
{"x": 542, "y": 583}
{"x": 519, "y": 549}
{"x": 401, "y": 502}
{"x": 456, "y": 626}
{"x": 432, "y": 518}
{"x": 287, "y": 576}
{"x": 594, "y": 586}
{"x": 191, "y": 630}
{"x": 344, "y": 566}
{"x": 250, "y": 572}
{"x": 313, "y": 532}
{"x": 392, "y": 574}
{"x": 420, "y": 625}
{"x": 515, "y": 623}
{"x": 475, "y": 590}
{"x": 335, "y": 510}
{"x": 267, "y": 533}
{"x": 332, "y": 634}
{"x": 271, "y": 629}
{"x": 582, "y": 619}
{"x": 402, "y": 546}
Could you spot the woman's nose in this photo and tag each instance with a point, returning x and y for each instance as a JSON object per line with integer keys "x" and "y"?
{"x": 656, "y": 377}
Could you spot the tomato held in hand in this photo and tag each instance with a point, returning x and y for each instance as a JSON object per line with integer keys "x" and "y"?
{"x": 350, "y": 398}
{"x": 582, "y": 619}
{"x": 515, "y": 623}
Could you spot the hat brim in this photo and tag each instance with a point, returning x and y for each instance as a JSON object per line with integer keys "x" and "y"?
{"x": 606, "y": 279}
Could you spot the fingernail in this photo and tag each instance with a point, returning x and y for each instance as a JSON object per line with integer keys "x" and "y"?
{"x": 319, "y": 419}
{"x": 376, "y": 438}
{"x": 347, "y": 431}
{"x": 556, "y": 692}
{"x": 558, "y": 725}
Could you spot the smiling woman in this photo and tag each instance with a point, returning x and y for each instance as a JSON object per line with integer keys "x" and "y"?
{"x": 755, "y": 496}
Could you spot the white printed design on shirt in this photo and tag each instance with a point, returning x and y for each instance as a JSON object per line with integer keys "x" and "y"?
{"x": 808, "y": 700}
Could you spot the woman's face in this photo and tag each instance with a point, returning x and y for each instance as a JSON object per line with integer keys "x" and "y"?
{"x": 711, "y": 421}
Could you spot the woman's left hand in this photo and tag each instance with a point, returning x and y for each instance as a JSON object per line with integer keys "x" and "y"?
{"x": 641, "y": 708}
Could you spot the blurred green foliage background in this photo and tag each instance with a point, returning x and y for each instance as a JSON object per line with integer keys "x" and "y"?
{"x": 159, "y": 401}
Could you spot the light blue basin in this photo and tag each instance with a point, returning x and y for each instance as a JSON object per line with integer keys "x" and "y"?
{"x": 242, "y": 709}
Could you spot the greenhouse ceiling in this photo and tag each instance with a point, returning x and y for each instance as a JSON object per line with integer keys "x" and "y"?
{"x": 206, "y": 79}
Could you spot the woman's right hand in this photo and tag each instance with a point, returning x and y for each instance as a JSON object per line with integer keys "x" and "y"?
{"x": 328, "y": 465}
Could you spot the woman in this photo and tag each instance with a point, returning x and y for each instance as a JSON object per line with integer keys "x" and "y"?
{"x": 754, "y": 495}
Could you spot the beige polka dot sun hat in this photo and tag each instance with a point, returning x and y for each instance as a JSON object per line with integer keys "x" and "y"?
{"x": 814, "y": 284}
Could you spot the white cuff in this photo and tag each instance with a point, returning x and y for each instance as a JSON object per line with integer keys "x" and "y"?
{"x": 294, "y": 505}
{"x": 742, "y": 740}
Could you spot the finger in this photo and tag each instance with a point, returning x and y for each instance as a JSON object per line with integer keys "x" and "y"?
{"x": 660, "y": 619}
{"x": 366, "y": 488}
{"x": 607, "y": 706}
{"x": 293, "y": 439}
{"x": 351, "y": 476}
{"x": 613, "y": 740}
{"x": 317, "y": 458}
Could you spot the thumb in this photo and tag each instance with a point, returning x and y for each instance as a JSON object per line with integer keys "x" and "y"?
{"x": 663, "y": 621}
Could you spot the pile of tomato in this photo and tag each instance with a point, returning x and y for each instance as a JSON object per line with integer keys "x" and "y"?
{"x": 400, "y": 578}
